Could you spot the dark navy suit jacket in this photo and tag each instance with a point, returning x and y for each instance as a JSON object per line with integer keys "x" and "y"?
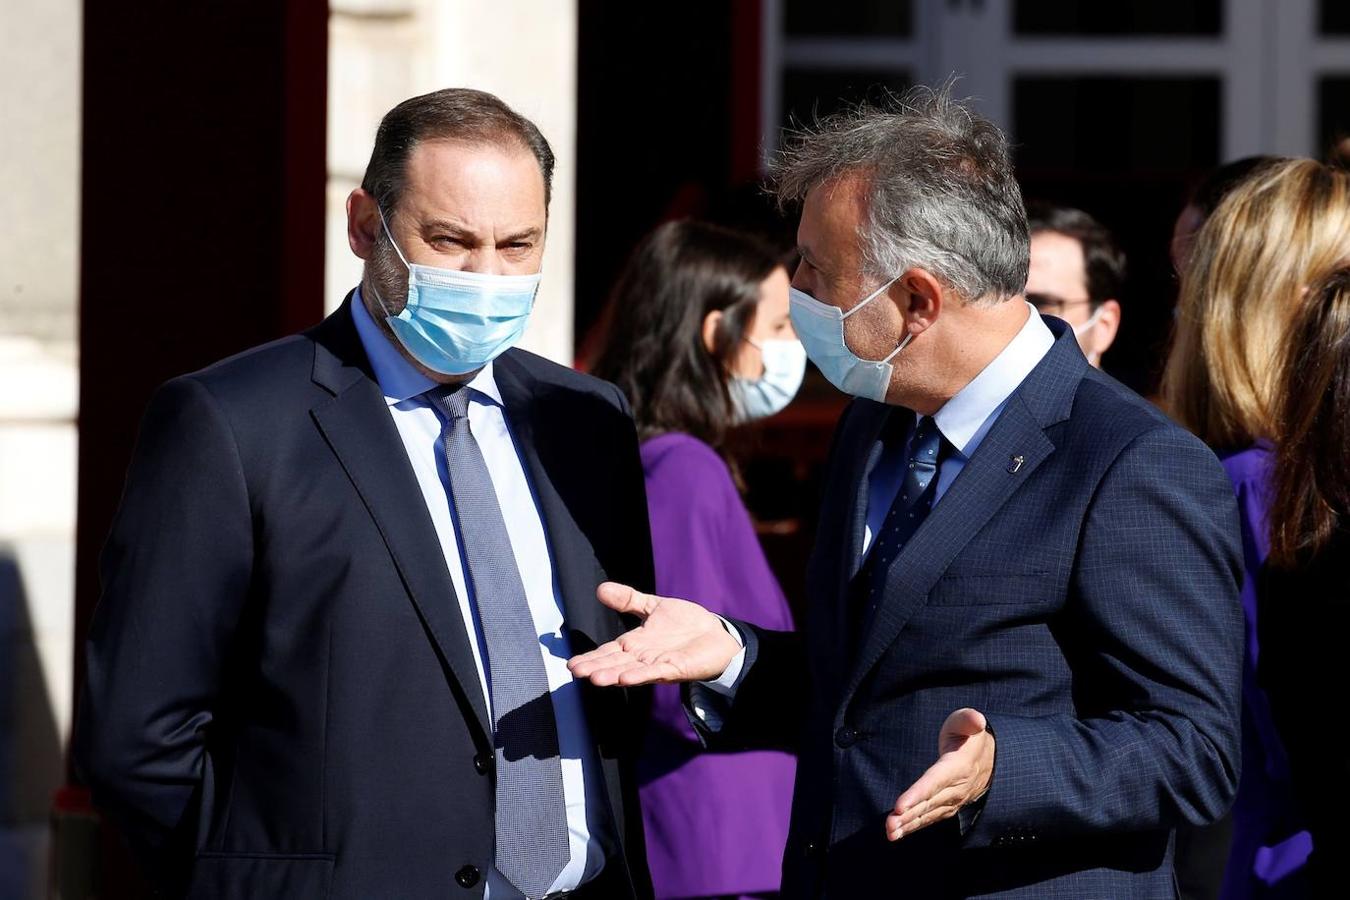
{"x": 282, "y": 700}
{"x": 1085, "y": 600}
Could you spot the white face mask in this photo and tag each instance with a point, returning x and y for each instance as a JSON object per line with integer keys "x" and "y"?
{"x": 1083, "y": 328}
{"x": 784, "y": 368}
{"x": 821, "y": 329}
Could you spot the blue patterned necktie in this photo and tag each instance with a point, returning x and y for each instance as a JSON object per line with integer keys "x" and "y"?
{"x": 531, "y": 816}
{"x": 907, "y": 513}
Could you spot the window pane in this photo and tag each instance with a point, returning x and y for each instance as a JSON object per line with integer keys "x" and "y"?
{"x": 811, "y": 93}
{"x": 1180, "y": 17}
{"x": 861, "y": 18}
{"x": 1333, "y": 118}
{"x": 1126, "y": 151}
{"x": 1334, "y": 17}
{"x": 1117, "y": 124}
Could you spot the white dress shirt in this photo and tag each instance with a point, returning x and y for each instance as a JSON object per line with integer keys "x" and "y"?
{"x": 420, "y": 428}
{"x": 964, "y": 420}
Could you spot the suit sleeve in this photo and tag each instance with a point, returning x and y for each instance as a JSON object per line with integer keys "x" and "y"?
{"x": 1153, "y": 631}
{"x": 638, "y": 568}
{"x": 175, "y": 573}
{"x": 771, "y": 697}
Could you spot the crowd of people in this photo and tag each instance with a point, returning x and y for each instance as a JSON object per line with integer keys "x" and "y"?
{"x": 395, "y": 608}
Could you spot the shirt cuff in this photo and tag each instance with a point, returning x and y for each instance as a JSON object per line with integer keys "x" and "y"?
{"x": 725, "y": 684}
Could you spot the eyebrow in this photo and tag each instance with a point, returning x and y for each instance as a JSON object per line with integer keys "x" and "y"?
{"x": 459, "y": 231}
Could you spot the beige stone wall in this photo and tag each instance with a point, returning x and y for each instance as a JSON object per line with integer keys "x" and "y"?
{"x": 383, "y": 51}
{"x": 39, "y": 376}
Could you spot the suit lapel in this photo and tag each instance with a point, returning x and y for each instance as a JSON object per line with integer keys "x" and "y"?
{"x": 574, "y": 562}
{"x": 357, "y": 425}
{"x": 992, "y": 476}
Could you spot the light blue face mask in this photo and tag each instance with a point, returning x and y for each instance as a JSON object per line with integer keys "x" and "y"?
{"x": 820, "y": 327}
{"x": 759, "y": 398}
{"x": 458, "y": 322}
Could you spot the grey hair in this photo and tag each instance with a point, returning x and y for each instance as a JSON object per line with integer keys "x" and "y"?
{"x": 940, "y": 191}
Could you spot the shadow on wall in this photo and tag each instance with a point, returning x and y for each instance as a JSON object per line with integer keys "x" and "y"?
{"x": 31, "y": 762}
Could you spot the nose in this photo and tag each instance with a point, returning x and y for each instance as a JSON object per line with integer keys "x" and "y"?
{"x": 484, "y": 261}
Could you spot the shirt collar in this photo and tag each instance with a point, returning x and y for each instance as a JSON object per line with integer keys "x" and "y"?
{"x": 963, "y": 417}
{"x": 399, "y": 380}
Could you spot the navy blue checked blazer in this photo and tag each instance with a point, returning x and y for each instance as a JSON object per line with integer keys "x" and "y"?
{"x": 1085, "y": 601}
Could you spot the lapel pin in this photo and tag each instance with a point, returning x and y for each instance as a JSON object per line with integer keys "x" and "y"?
{"x": 1015, "y": 463}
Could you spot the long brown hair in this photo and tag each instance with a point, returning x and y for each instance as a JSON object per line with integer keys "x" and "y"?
{"x": 1311, "y": 485}
{"x": 1276, "y": 233}
{"x": 654, "y": 348}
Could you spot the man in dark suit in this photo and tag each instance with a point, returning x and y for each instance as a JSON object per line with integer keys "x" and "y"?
{"x": 1018, "y": 561}
{"x": 349, "y": 568}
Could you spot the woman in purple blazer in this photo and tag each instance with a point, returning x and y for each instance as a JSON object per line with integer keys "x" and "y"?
{"x": 700, "y": 341}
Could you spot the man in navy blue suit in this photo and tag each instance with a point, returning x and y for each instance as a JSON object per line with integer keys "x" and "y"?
{"x": 1018, "y": 561}
{"x": 350, "y": 566}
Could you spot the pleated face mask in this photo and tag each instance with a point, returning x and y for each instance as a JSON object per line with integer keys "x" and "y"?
{"x": 821, "y": 329}
{"x": 457, "y": 322}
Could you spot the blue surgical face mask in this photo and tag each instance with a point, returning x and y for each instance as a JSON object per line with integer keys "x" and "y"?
{"x": 821, "y": 329}
{"x": 759, "y": 398}
{"x": 458, "y": 322}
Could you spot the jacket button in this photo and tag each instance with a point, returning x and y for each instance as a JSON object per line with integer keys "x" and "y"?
{"x": 482, "y": 764}
{"x": 846, "y": 737}
{"x": 468, "y": 876}
{"x": 811, "y": 850}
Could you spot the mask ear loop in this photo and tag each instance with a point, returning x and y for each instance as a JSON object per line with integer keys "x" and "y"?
{"x": 868, "y": 299}
{"x": 908, "y": 337}
{"x": 389, "y": 234}
{"x": 393, "y": 243}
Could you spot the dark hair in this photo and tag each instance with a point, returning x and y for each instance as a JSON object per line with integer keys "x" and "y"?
{"x": 940, "y": 189}
{"x": 1211, "y": 189}
{"x": 1103, "y": 260}
{"x": 452, "y": 114}
{"x": 1311, "y": 474}
{"x": 654, "y": 349}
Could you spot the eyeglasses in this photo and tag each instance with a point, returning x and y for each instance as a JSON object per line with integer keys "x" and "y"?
{"x": 1052, "y": 305}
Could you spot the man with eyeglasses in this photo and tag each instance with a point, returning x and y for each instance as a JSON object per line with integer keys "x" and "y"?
{"x": 1076, "y": 274}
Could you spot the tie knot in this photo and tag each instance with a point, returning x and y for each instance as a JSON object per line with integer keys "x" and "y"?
{"x": 927, "y": 442}
{"x": 451, "y": 399}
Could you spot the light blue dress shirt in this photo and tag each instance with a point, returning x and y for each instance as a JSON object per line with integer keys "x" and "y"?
{"x": 964, "y": 420}
{"x": 420, "y": 428}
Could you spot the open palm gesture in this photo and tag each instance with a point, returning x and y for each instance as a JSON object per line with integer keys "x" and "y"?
{"x": 677, "y": 641}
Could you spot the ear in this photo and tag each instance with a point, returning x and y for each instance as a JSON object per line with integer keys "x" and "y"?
{"x": 920, "y": 298}
{"x": 711, "y": 322}
{"x": 1107, "y": 326}
{"x": 363, "y": 223}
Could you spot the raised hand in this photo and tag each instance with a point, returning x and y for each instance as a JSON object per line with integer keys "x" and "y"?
{"x": 677, "y": 641}
{"x": 962, "y": 774}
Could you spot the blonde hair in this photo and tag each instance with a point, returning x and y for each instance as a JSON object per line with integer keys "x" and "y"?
{"x": 1274, "y": 236}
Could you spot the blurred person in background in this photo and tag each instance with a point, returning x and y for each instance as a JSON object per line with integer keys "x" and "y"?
{"x": 1076, "y": 273}
{"x": 1274, "y": 236}
{"x": 700, "y": 341}
{"x": 1304, "y": 595}
{"x": 1204, "y": 199}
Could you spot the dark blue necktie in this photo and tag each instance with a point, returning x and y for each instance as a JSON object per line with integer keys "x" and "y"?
{"x": 531, "y": 816}
{"x": 907, "y": 513}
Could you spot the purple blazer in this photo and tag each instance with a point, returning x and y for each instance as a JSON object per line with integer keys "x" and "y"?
{"x": 1267, "y": 845}
{"x": 716, "y": 823}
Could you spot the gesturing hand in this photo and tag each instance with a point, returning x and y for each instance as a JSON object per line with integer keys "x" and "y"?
{"x": 677, "y": 641}
{"x": 962, "y": 773}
